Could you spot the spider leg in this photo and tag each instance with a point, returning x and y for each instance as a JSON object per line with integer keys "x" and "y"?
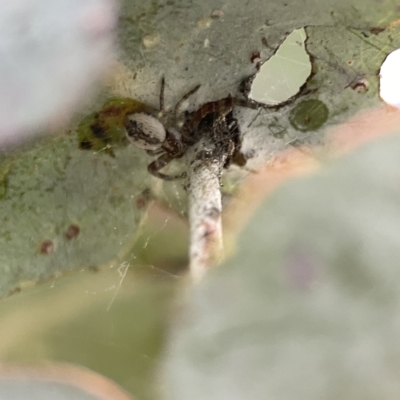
{"x": 155, "y": 167}
{"x": 233, "y": 128}
{"x": 245, "y": 103}
{"x": 230, "y": 151}
{"x": 162, "y": 90}
{"x": 155, "y": 152}
{"x": 186, "y": 96}
{"x": 173, "y": 143}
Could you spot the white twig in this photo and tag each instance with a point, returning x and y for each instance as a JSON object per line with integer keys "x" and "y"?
{"x": 205, "y": 166}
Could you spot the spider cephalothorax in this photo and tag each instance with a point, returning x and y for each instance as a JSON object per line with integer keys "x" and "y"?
{"x": 162, "y": 135}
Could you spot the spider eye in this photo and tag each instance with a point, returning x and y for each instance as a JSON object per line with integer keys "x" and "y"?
{"x": 145, "y": 131}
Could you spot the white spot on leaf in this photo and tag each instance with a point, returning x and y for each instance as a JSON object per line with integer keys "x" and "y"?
{"x": 390, "y": 79}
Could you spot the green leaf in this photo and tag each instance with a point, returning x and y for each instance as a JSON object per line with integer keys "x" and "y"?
{"x": 63, "y": 208}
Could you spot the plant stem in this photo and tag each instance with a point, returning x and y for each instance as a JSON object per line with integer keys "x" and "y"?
{"x": 205, "y": 164}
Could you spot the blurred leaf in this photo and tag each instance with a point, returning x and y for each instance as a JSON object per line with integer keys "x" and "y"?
{"x": 56, "y": 382}
{"x": 111, "y": 322}
{"x": 307, "y": 308}
{"x": 52, "y": 53}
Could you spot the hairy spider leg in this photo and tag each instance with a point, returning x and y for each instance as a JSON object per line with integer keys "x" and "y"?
{"x": 155, "y": 167}
{"x": 221, "y": 107}
{"x": 233, "y": 144}
{"x": 246, "y": 103}
{"x": 179, "y": 103}
{"x": 185, "y": 97}
{"x": 155, "y": 152}
{"x": 233, "y": 126}
{"x": 162, "y": 90}
{"x": 172, "y": 148}
{"x": 230, "y": 151}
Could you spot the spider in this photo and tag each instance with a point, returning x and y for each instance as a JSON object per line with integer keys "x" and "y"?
{"x": 163, "y": 134}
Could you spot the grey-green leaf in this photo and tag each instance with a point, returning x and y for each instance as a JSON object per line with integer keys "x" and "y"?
{"x": 64, "y": 208}
{"x": 308, "y": 307}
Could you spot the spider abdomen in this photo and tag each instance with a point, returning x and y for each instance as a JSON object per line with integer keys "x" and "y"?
{"x": 145, "y": 131}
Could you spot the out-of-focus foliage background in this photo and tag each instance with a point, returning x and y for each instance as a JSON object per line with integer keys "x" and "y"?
{"x": 305, "y": 306}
